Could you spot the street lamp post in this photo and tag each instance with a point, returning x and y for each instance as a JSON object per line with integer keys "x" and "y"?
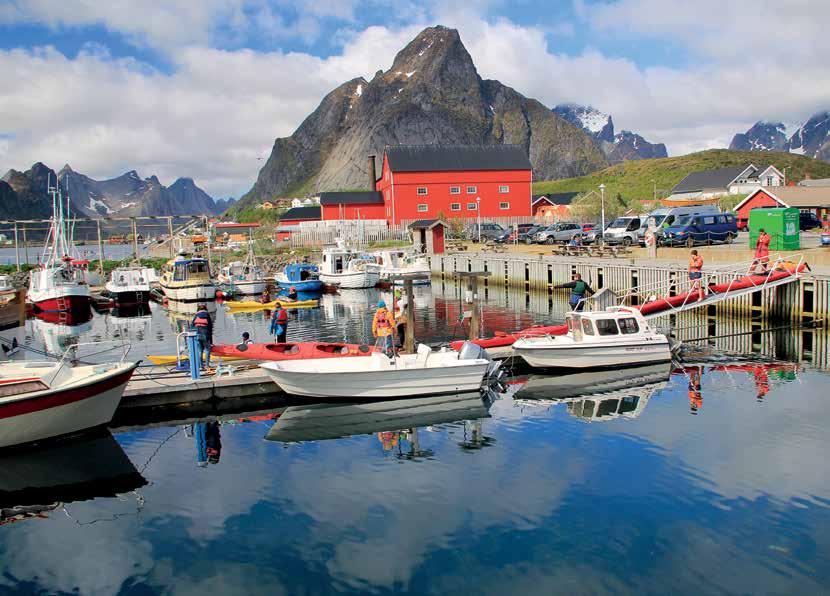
{"x": 602, "y": 211}
{"x": 478, "y": 217}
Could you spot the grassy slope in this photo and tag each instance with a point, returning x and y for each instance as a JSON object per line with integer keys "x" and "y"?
{"x": 633, "y": 179}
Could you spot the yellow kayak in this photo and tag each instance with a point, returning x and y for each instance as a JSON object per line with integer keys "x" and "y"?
{"x": 236, "y": 305}
{"x": 168, "y": 360}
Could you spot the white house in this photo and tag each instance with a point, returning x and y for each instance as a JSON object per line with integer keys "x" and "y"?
{"x": 710, "y": 184}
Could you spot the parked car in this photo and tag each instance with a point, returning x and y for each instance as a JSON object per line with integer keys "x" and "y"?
{"x": 689, "y": 230}
{"x": 562, "y": 232}
{"x": 666, "y": 216}
{"x": 511, "y": 233}
{"x": 808, "y": 221}
{"x": 624, "y": 230}
{"x": 489, "y": 231}
{"x": 587, "y": 227}
{"x": 527, "y": 236}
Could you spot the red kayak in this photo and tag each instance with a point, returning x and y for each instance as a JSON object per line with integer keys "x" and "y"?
{"x": 650, "y": 308}
{"x": 291, "y": 350}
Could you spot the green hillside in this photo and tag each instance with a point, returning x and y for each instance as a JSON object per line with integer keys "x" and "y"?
{"x": 635, "y": 180}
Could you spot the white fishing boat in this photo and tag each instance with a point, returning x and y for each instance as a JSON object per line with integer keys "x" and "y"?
{"x": 423, "y": 373}
{"x": 130, "y": 285}
{"x": 241, "y": 277}
{"x": 43, "y": 400}
{"x": 7, "y": 290}
{"x": 347, "y": 268}
{"x": 400, "y": 263}
{"x": 186, "y": 280}
{"x": 59, "y": 284}
{"x": 618, "y": 336}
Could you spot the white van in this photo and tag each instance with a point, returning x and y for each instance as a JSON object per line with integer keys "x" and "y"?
{"x": 669, "y": 215}
{"x": 624, "y": 230}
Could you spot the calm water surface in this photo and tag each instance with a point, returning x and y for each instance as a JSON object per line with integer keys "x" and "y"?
{"x": 708, "y": 478}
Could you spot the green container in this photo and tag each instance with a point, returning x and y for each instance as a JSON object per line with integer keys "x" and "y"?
{"x": 780, "y": 223}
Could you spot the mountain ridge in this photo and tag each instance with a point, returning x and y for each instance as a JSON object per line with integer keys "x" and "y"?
{"x": 810, "y": 138}
{"x": 432, "y": 94}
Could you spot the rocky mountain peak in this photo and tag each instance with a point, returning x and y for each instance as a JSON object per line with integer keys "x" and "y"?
{"x": 436, "y": 52}
{"x": 66, "y": 169}
{"x": 812, "y": 138}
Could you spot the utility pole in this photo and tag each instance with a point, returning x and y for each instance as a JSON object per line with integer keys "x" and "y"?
{"x": 135, "y": 239}
{"x": 602, "y": 208}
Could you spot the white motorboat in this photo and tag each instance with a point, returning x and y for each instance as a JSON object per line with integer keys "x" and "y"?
{"x": 400, "y": 263}
{"x": 130, "y": 285}
{"x": 241, "y": 277}
{"x": 618, "y": 336}
{"x": 43, "y": 400}
{"x": 186, "y": 280}
{"x": 423, "y": 373}
{"x": 347, "y": 268}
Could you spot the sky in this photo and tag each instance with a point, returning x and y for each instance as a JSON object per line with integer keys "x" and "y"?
{"x": 201, "y": 89}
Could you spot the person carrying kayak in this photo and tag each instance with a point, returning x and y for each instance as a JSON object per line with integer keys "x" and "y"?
{"x": 579, "y": 291}
{"x": 279, "y": 323}
{"x": 203, "y": 326}
{"x": 383, "y": 326}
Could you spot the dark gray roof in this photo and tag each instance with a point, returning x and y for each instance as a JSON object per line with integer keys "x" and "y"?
{"x": 450, "y": 158}
{"x": 425, "y": 224}
{"x": 708, "y": 179}
{"x": 309, "y": 212}
{"x": 557, "y": 198}
{"x": 351, "y": 197}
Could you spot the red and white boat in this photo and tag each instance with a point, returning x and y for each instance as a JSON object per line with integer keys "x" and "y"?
{"x": 59, "y": 284}
{"x": 44, "y": 400}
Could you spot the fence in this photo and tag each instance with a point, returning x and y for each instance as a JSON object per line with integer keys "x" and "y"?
{"x": 359, "y": 234}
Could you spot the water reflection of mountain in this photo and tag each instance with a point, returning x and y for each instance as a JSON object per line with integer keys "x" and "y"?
{"x": 599, "y": 395}
{"x": 35, "y": 482}
{"x": 316, "y": 422}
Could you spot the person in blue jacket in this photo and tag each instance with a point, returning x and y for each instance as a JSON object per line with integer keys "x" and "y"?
{"x": 203, "y": 326}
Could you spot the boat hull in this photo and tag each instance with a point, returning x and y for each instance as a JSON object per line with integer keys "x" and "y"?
{"x": 595, "y": 356}
{"x": 130, "y": 297}
{"x": 381, "y": 383}
{"x": 352, "y": 280}
{"x": 191, "y": 294}
{"x": 310, "y": 285}
{"x": 63, "y": 411}
{"x": 247, "y": 288}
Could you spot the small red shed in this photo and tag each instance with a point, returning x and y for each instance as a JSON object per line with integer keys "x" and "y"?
{"x": 428, "y": 235}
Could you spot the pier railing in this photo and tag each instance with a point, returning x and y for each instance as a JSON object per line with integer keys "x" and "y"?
{"x": 731, "y": 275}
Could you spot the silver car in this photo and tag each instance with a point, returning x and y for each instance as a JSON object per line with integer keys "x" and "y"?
{"x": 561, "y": 232}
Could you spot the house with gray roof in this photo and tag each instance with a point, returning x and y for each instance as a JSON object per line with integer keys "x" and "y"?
{"x": 711, "y": 184}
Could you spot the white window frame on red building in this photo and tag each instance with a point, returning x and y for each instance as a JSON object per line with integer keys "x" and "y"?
{"x": 471, "y": 190}
{"x": 455, "y": 206}
{"x": 504, "y": 206}
{"x": 471, "y": 207}
{"x": 425, "y": 207}
{"x": 455, "y": 190}
{"x": 422, "y": 194}
{"x": 504, "y": 190}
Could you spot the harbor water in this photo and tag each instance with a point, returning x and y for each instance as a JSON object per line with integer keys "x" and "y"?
{"x": 705, "y": 476}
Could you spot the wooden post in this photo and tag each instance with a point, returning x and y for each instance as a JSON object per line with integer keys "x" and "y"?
{"x": 409, "y": 339}
{"x": 25, "y": 245}
{"x": 170, "y": 236}
{"x": 100, "y": 248}
{"x": 475, "y": 320}
{"x": 135, "y": 238}
{"x": 16, "y": 248}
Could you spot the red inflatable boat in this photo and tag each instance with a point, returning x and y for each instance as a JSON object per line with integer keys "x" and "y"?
{"x": 650, "y": 308}
{"x": 291, "y": 350}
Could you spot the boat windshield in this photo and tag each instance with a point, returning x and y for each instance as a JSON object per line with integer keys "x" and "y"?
{"x": 607, "y": 327}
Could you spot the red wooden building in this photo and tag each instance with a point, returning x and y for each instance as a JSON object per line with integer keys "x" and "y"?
{"x": 815, "y": 199}
{"x": 421, "y": 182}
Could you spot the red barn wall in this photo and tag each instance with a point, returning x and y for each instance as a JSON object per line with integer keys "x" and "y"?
{"x": 759, "y": 200}
{"x": 352, "y": 211}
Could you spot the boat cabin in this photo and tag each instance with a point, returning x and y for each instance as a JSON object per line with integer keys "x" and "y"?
{"x": 48, "y": 277}
{"x": 339, "y": 259}
{"x": 183, "y": 269}
{"x": 296, "y": 272}
{"x": 610, "y": 323}
{"x": 242, "y": 271}
{"x": 129, "y": 276}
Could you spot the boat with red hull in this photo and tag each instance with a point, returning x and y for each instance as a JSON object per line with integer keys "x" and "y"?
{"x": 650, "y": 309}
{"x": 45, "y": 400}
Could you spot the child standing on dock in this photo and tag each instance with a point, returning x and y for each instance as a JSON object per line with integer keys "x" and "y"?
{"x": 696, "y": 273}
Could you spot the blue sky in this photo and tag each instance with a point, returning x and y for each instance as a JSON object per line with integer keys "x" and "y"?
{"x": 201, "y": 89}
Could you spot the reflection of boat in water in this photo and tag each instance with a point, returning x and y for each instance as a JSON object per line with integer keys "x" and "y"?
{"x": 129, "y": 323}
{"x": 57, "y": 337}
{"x": 36, "y": 482}
{"x": 598, "y": 395}
{"x": 317, "y": 422}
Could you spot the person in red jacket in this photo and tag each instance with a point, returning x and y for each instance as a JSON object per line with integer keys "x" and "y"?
{"x": 762, "y": 250}
{"x": 279, "y": 324}
{"x": 695, "y": 273}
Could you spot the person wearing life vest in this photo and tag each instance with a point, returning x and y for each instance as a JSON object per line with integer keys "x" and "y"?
{"x": 695, "y": 394}
{"x": 292, "y": 294}
{"x": 383, "y": 326}
{"x": 695, "y": 273}
{"x": 762, "y": 250}
{"x": 579, "y": 291}
{"x": 279, "y": 323}
{"x": 203, "y": 326}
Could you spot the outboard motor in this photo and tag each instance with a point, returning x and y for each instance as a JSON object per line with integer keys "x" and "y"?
{"x": 493, "y": 377}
